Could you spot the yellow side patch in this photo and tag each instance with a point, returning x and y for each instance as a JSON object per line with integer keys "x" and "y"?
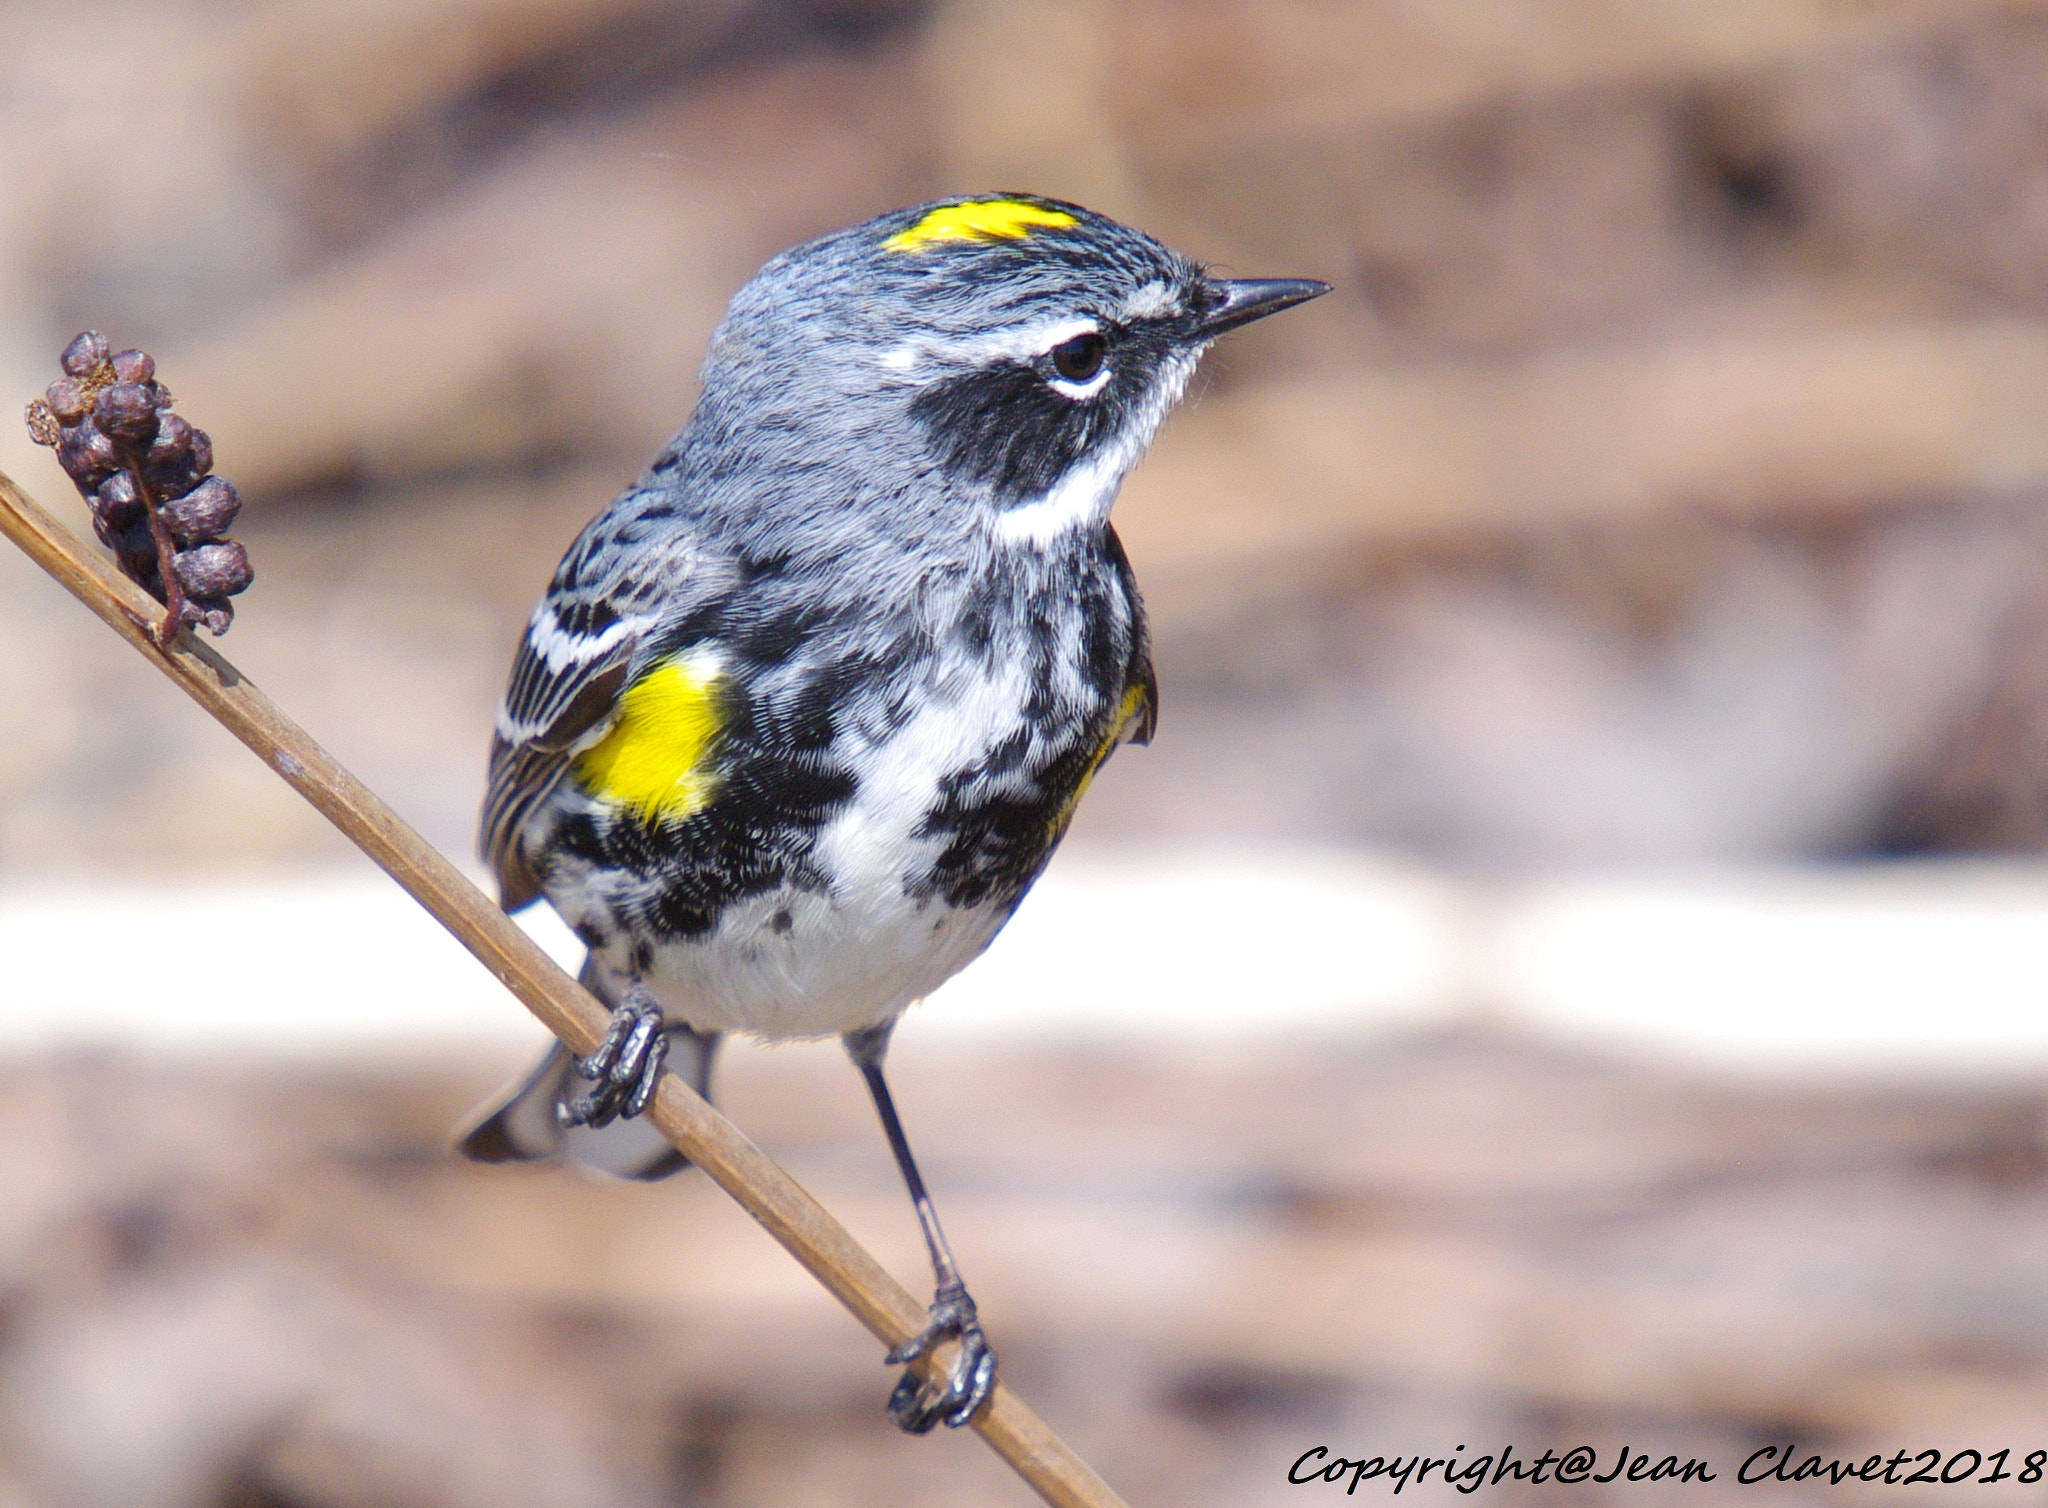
{"x": 978, "y": 220}
{"x": 653, "y": 761}
{"x": 1134, "y": 700}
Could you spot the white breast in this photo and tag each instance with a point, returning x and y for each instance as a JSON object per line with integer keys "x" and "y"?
{"x": 799, "y": 963}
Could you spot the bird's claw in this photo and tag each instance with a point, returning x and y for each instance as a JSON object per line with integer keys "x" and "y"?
{"x": 916, "y": 1404}
{"x": 624, "y": 1070}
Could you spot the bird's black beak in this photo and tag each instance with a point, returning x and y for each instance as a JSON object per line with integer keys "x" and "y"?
{"x": 1240, "y": 302}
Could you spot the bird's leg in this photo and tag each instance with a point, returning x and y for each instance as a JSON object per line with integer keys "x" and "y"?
{"x": 916, "y": 1405}
{"x": 626, "y": 1066}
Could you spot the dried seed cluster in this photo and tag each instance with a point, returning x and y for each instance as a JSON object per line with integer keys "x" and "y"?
{"x": 147, "y": 475}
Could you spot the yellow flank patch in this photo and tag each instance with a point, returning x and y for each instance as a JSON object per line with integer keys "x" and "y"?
{"x": 654, "y": 761}
{"x": 1134, "y": 699}
{"x": 1126, "y": 717}
{"x": 978, "y": 220}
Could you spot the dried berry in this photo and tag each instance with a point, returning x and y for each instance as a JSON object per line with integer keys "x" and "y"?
{"x": 126, "y": 413}
{"x": 171, "y": 466}
{"x": 204, "y": 513}
{"x": 135, "y": 548}
{"x": 43, "y": 426}
{"x": 117, "y": 501}
{"x": 173, "y": 441}
{"x": 68, "y": 400}
{"x": 173, "y": 482}
{"x": 134, "y": 366}
{"x": 86, "y": 352}
{"x": 87, "y": 456}
{"x": 216, "y": 570}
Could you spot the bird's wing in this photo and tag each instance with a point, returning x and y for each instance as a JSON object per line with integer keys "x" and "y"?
{"x": 629, "y": 572}
{"x": 1141, "y": 685}
{"x": 1142, "y": 697}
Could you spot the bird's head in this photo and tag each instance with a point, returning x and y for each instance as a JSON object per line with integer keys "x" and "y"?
{"x": 1021, "y": 350}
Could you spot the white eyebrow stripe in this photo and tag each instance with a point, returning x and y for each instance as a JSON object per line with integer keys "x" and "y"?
{"x": 1023, "y": 342}
{"x": 1065, "y": 331}
{"x": 1019, "y": 343}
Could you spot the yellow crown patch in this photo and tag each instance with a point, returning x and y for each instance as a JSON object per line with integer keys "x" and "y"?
{"x": 978, "y": 220}
{"x": 653, "y": 760}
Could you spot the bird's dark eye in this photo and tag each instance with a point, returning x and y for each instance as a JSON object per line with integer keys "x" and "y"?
{"x": 1080, "y": 358}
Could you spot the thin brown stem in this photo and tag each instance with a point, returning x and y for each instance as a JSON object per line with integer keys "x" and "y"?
{"x": 788, "y": 1213}
{"x": 166, "y": 547}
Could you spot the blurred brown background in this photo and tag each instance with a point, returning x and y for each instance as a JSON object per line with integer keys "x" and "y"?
{"x": 1665, "y": 484}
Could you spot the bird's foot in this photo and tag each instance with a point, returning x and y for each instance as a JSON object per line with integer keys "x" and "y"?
{"x": 916, "y": 1405}
{"x": 624, "y": 1069}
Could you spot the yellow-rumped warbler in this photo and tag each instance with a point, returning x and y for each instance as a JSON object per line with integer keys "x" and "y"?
{"x": 803, "y": 714}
